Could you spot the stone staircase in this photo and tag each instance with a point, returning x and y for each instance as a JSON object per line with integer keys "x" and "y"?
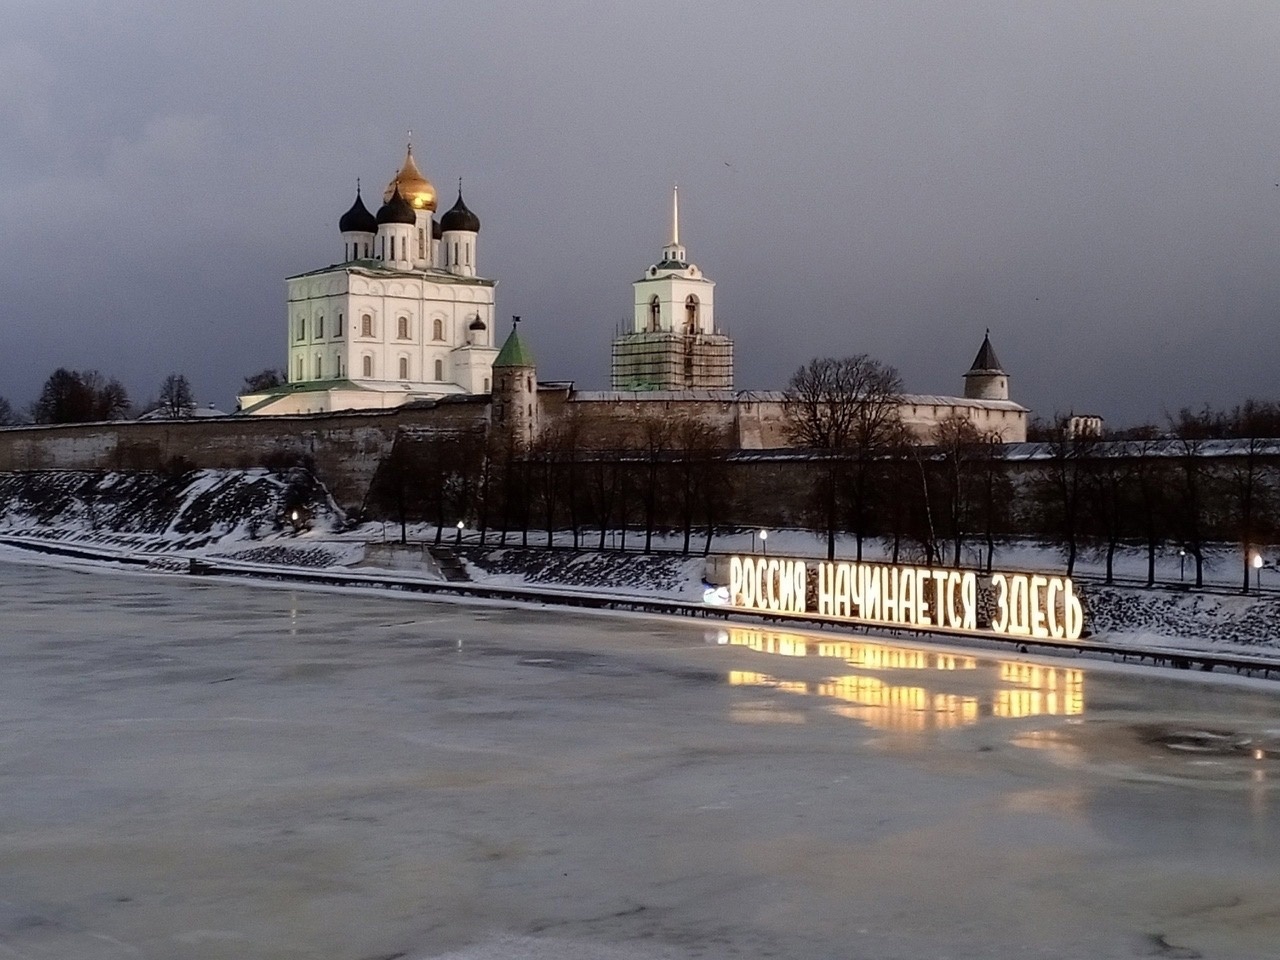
{"x": 451, "y": 566}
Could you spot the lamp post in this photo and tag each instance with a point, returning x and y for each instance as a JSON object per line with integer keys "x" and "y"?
{"x": 1257, "y": 572}
{"x": 764, "y": 541}
{"x": 457, "y": 542}
{"x": 753, "y": 541}
{"x": 1182, "y": 564}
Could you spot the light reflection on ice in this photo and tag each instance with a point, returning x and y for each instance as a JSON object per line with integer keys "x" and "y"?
{"x": 1023, "y": 690}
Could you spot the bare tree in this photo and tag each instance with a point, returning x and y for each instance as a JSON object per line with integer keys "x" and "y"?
{"x": 264, "y": 380}
{"x": 176, "y": 399}
{"x": 956, "y": 442}
{"x": 1247, "y": 481}
{"x": 8, "y": 416}
{"x": 655, "y": 449}
{"x": 844, "y": 410}
{"x": 1060, "y": 488}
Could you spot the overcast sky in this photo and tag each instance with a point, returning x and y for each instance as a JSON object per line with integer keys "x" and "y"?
{"x": 1098, "y": 183}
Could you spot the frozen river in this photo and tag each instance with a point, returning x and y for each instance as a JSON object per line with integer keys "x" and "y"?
{"x": 204, "y": 769}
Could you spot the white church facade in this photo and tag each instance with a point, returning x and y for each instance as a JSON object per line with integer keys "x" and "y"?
{"x": 403, "y": 316}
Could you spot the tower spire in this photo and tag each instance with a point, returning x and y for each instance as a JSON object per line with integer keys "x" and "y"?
{"x": 675, "y": 215}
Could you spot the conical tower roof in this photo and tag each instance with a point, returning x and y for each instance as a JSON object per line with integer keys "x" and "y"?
{"x": 514, "y": 353}
{"x": 986, "y": 360}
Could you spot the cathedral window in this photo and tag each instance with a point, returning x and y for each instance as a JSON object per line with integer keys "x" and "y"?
{"x": 393, "y": 248}
{"x": 366, "y": 326}
{"x": 455, "y": 253}
{"x": 366, "y": 364}
{"x": 302, "y": 328}
{"x": 402, "y": 328}
{"x": 366, "y": 250}
{"x": 439, "y": 370}
{"x": 319, "y": 368}
{"x": 320, "y": 326}
{"x": 382, "y": 252}
{"x": 437, "y": 329}
{"x": 422, "y": 245}
{"x": 338, "y": 333}
{"x": 299, "y": 376}
{"x": 655, "y": 313}
{"x": 466, "y": 249}
{"x": 404, "y": 368}
{"x": 486, "y": 384}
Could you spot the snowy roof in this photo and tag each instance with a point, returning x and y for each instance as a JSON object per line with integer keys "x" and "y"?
{"x": 1163, "y": 447}
{"x": 775, "y": 396}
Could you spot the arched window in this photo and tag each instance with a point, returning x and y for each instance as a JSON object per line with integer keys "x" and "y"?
{"x": 382, "y": 249}
{"x": 437, "y": 329}
{"x": 302, "y": 328}
{"x": 320, "y": 326}
{"x": 366, "y": 365}
{"x": 455, "y": 253}
{"x": 691, "y": 314}
{"x": 486, "y": 384}
{"x": 439, "y": 370}
{"x": 366, "y": 250}
{"x": 466, "y": 250}
{"x": 402, "y": 328}
{"x": 393, "y": 248}
{"x": 319, "y": 368}
{"x": 339, "y": 333}
{"x": 404, "y": 368}
{"x": 655, "y": 312}
{"x": 299, "y": 376}
{"x": 366, "y": 326}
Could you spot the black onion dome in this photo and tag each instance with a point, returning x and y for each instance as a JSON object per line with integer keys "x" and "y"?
{"x": 460, "y": 217}
{"x": 397, "y": 210}
{"x": 476, "y": 324}
{"x": 436, "y": 232}
{"x": 358, "y": 219}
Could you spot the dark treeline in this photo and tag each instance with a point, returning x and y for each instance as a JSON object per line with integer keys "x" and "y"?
{"x": 1206, "y": 478}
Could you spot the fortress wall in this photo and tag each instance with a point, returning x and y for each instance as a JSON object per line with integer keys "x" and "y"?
{"x": 345, "y": 447}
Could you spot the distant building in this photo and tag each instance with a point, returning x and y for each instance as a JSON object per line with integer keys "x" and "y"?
{"x": 1080, "y": 425}
{"x": 403, "y": 316}
{"x": 673, "y": 343}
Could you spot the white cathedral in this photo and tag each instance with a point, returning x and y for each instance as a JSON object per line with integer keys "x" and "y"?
{"x": 405, "y": 315}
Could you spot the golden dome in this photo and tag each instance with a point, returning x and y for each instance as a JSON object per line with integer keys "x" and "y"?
{"x": 414, "y": 187}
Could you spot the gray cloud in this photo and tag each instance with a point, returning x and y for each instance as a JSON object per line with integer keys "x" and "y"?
{"x": 1095, "y": 182}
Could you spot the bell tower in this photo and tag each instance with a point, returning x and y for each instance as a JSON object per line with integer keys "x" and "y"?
{"x": 673, "y": 343}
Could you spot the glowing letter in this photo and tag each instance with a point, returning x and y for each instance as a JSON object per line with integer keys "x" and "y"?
{"x": 922, "y": 608}
{"x": 826, "y": 590}
{"x": 1074, "y": 615}
{"x": 1000, "y": 622}
{"x": 1036, "y": 625}
{"x": 735, "y": 581}
{"x": 1051, "y": 607}
{"x": 969, "y": 596}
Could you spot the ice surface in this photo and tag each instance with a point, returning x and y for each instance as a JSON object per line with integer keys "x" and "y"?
{"x": 203, "y": 769}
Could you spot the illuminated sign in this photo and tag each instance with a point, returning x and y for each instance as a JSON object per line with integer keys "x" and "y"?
{"x": 1021, "y": 604}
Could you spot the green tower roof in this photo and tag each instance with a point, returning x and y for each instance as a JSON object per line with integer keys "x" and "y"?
{"x": 514, "y": 353}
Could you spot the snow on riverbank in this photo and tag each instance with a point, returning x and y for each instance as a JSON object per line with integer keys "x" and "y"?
{"x": 246, "y": 516}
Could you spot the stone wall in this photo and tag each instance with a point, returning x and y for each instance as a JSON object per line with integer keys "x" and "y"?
{"x": 344, "y": 448}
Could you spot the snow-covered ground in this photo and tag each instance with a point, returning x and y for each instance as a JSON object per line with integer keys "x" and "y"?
{"x": 200, "y": 768}
{"x": 245, "y": 516}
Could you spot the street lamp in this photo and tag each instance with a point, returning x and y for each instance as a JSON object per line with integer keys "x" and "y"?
{"x": 764, "y": 541}
{"x": 1257, "y": 571}
{"x": 458, "y": 540}
{"x": 1182, "y": 564}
